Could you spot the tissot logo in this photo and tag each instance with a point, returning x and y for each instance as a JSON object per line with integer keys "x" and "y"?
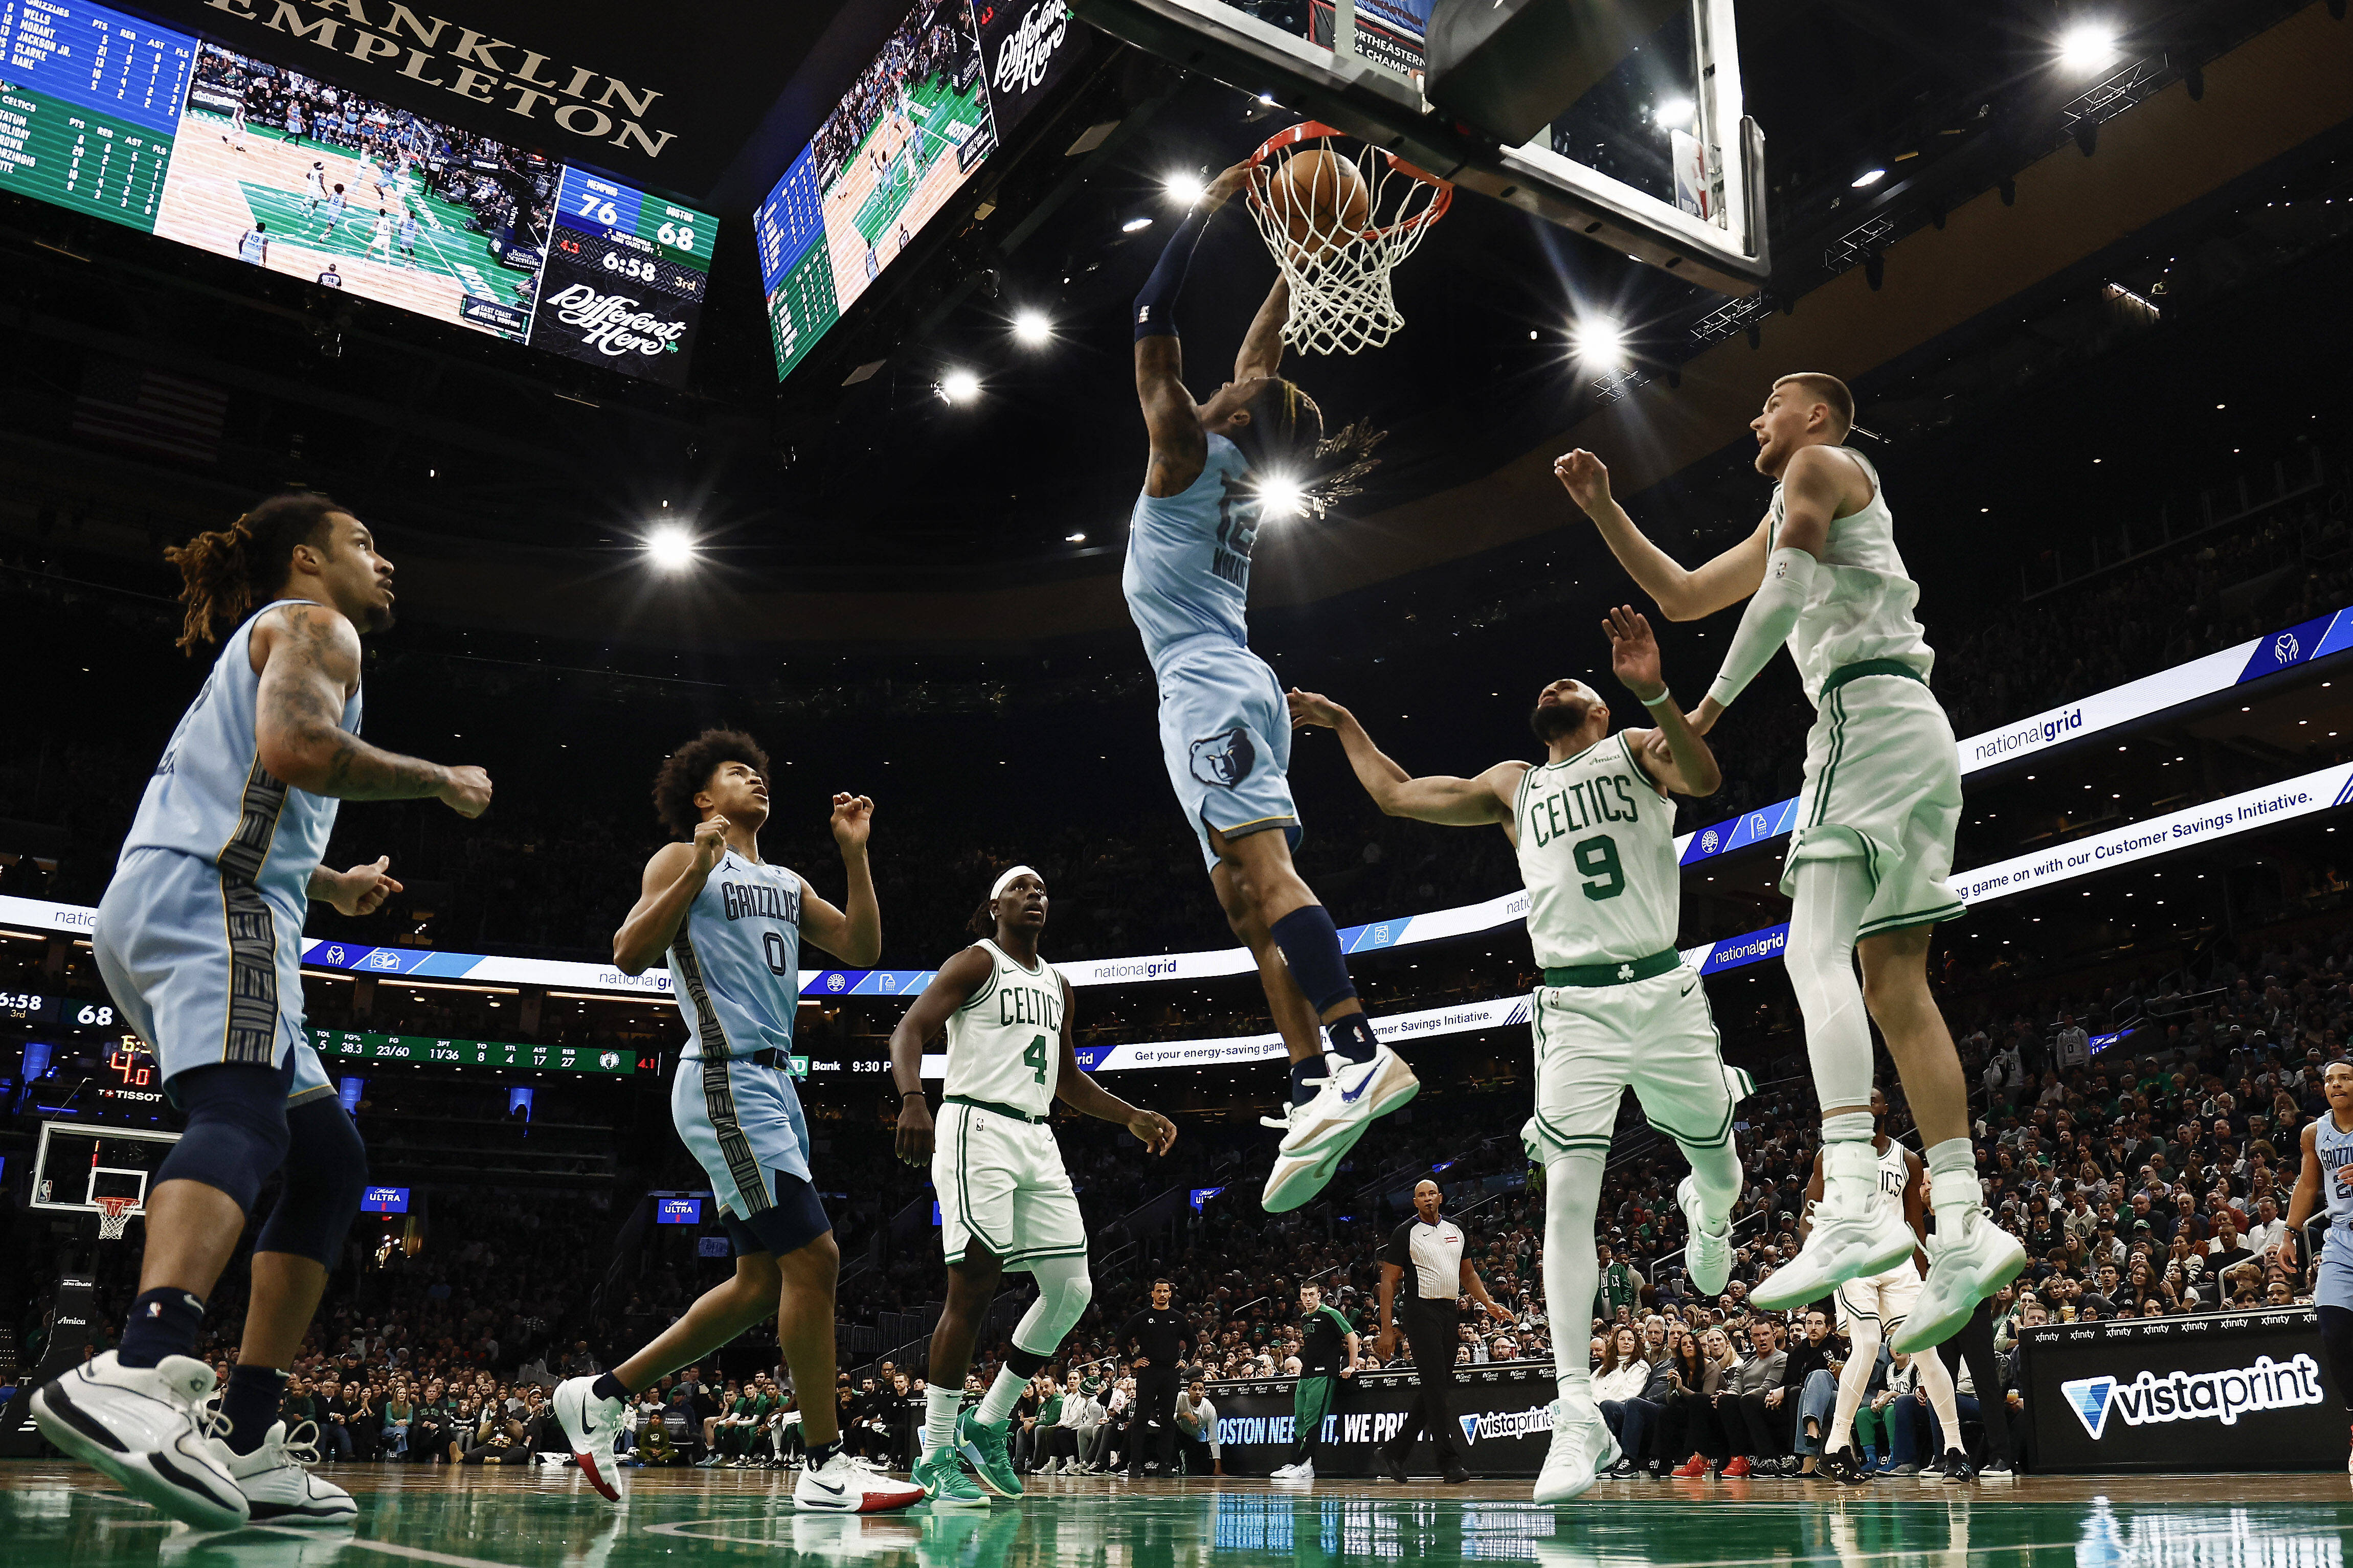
{"x": 2224, "y": 1396}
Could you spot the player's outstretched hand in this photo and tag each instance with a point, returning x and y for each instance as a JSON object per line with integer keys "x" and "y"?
{"x": 1154, "y": 1131}
{"x": 1580, "y": 473}
{"x": 1222, "y": 188}
{"x": 853, "y": 819}
{"x": 710, "y": 843}
{"x": 915, "y": 1145}
{"x": 363, "y": 890}
{"x": 1634, "y": 653}
{"x": 466, "y": 791}
{"x": 1314, "y": 710}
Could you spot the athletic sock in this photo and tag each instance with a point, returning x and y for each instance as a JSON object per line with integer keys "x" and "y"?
{"x": 940, "y": 1407}
{"x": 1302, "y": 1071}
{"x": 822, "y": 1454}
{"x": 996, "y": 1406}
{"x": 609, "y": 1386}
{"x": 1953, "y": 1183}
{"x": 251, "y": 1402}
{"x": 1352, "y": 1036}
{"x": 1311, "y": 946}
{"x": 162, "y": 1322}
{"x": 1853, "y": 1127}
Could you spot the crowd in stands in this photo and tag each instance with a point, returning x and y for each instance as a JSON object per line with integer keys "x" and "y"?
{"x": 929, "y": 43}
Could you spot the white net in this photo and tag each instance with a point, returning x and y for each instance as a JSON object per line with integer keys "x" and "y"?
{"x": 1338, "y": 229}
{"x": 113, "y": 1213}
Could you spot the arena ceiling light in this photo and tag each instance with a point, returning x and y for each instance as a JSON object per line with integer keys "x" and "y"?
{"x": 1185, "y": 187}
{"x": 1674, "y": 114}
{"x": 959, "y": 387}
{"x": 1600, "y": 343}
{"x": 1868, "y": 177}
{"x": 1034, "y": 328}
{"x": 2087, "y": 46}
{"x": 670, "y": 548}
{"x": 1136, "y": 225}
{"x": 1281, "y": 497}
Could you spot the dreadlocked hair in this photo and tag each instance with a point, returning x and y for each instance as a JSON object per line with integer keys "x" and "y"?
{"x": 983, "y": 919}
{"x": 224, "y": 575}
{"x": 1285, "y": 429}
{"x": 689, "y": 770}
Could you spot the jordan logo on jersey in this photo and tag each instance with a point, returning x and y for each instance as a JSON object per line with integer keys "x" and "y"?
{"x": 1225, "y": 760}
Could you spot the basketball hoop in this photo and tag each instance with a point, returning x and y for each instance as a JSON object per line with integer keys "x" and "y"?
{"x": 1339, "y": 279}
{"x": 113, "y": 1213}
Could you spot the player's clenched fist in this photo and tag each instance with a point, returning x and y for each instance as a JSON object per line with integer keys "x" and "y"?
{"x": 1581, "y": 474}
{"x": 710, "y": 842}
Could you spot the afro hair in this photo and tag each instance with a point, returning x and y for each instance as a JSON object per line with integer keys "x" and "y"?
{"x": 687, "y": 772}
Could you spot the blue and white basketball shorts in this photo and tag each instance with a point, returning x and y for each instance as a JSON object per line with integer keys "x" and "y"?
{"x": 1225, "y": 735}
{"x": 743, "y": 1124}
{"x": 2336, "y": 1285}
{"x": 204, "y": 971}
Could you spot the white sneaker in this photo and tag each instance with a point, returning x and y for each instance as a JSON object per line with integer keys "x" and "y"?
{"x": 1854, "y": 1234}
{"x": 842, "y": 1485}
{"x": 148, "y": 1429}
{"x": 1708, "y": 1257}
{"x": 1581, "y": 1449}
{"x": 1320, "y": 1133}
{"x": 277, "y": 1482}
{"x": 589, "y": 1425}
{"x": 1968, "y": 1261}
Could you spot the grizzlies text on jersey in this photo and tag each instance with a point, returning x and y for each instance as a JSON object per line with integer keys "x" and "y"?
{"x": 735, "y": 962}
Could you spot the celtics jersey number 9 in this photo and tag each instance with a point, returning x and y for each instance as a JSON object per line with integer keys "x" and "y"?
{"x": 1005, "y": 1045}
{"x": 1598, "y": 852}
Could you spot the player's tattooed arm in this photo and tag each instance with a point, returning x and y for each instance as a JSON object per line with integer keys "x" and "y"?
{"x": 1440, "y": 798}
{"x": 1684, "y": 594}
{"x": 950, "y": 989}
{"x": 1083, "y": 1094}
{"x": 361, "y": 890}
{"x": 852, "y": 934}
{"x": 1172, "y": 420}
{"x": 311, "y": 665}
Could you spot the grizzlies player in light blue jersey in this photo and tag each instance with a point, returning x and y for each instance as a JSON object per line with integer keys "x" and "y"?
{"x": 1225, "y": 735}
{"x": 730, "y": 926}
{"x": 199, "y": 940}
{"x": 2324, "y": 1185}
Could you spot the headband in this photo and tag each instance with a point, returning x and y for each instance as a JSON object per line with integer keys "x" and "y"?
{"x": 997, "y": 890}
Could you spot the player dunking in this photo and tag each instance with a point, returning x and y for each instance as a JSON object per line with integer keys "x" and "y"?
{"x": 1867, "y": 865}
{"x": 1006, "y": 1202}
{"x": 1224, "y": 732}
{"x": 731, "y": 925}
{"x": 2324, "y": 1185}
{"x": 1871, "y": 1307}
{"x": 199, "y": 937}
{"x": 1595, "y": 831}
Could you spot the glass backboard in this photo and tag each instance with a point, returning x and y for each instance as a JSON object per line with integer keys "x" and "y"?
{"x": 1649, "y": 152}
{"x": 77, "y": 1162}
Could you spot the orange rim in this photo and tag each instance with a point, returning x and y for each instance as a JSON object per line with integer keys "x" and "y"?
{"x": 1443, "y": 191}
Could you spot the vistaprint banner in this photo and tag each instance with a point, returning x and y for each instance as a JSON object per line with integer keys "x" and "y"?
{"x": 1503, "y": 1413}
{"x": 2230, "y": 1391}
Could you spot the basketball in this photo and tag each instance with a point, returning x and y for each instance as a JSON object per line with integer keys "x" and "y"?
{"x": 1322, "y": 199}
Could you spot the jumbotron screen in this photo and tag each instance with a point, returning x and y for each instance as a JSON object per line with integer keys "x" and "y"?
{"x": 107, "y": 114}
{"x": 907, "y": 134}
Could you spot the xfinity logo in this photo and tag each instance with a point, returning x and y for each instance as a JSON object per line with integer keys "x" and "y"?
{"x": 2224, "y": 1396}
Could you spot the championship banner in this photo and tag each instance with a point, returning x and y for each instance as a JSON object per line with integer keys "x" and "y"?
{"x": 2215, "y": 1390}
{"x": 2133, "y": 700}
{"x": 1503, "y": 1410}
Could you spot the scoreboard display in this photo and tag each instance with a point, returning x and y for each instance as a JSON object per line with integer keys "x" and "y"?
{"x": 109, "y": 115}
{"x": 354, "y": 1046}
{"x": 27, "y": 1008}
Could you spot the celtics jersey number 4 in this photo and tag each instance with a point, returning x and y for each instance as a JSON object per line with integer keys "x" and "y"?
{"x": 1005, "y": 1045}
{"x": 1597, "y": 853}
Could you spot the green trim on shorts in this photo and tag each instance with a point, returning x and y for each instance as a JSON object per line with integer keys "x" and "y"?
{"x": 964, "y": 1192}
{"x": 1830, "y": 767}
{"x": 1078, "y": 1251}
{"x": 1882, "y": 926}
{"x": 1723, "y": 1134}
{"x": 1857, "y": 671}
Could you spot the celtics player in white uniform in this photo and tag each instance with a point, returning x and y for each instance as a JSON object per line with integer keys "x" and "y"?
{"x": 1872, "y": 1307}
{"x": 1867, "y": 867}
{"x": 1006, "y": 1203}
{"x": 731, "y": 925}
{"x": 1595, "y": 831}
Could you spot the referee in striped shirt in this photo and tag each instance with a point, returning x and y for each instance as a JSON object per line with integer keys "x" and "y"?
{"x": 1427, "y": 1251}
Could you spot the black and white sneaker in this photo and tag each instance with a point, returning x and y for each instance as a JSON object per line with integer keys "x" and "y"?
{"x": 148, "y": 1429}
{"x": 277, "y": 1482}
{"x": 1843, "y": 1467}
{"x": 1958, "y": 1468}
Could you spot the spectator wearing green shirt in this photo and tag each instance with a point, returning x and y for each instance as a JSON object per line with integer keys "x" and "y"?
{"x": 1621, "y": 1286}
{"x": 1328, "y": 1351}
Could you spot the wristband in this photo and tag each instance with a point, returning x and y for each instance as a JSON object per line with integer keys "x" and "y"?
{"x": 1665, "y": 696}
{"x": 905, "y": 1092}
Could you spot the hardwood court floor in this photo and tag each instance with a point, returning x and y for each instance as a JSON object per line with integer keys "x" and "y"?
{"x": 54, "y": 1515}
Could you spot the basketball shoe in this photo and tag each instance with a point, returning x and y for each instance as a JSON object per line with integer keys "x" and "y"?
{"x": 940, "y": 1474}
{"x": 1318, "y": 1134}
{"x": 277, "y": 1482}
{"x": 1582, "y": 1448}
{"x": 1969, "y": 1258}
{"x": 842, "y": 1485}
{"x": 589, "y": 1425}
{"x": 1853, "y": 1235}
{"x": 983, "y": 1447}
{"x": 1708, "y": 1257}
{"x": 148, "y": 1429}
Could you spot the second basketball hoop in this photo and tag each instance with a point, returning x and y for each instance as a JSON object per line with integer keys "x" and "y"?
{"x": 1337, "y": 224}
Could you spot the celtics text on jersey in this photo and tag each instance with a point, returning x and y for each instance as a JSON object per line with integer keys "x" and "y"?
{"x": 1005, "y": 1045}
{"x": 1596, "y": 850}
